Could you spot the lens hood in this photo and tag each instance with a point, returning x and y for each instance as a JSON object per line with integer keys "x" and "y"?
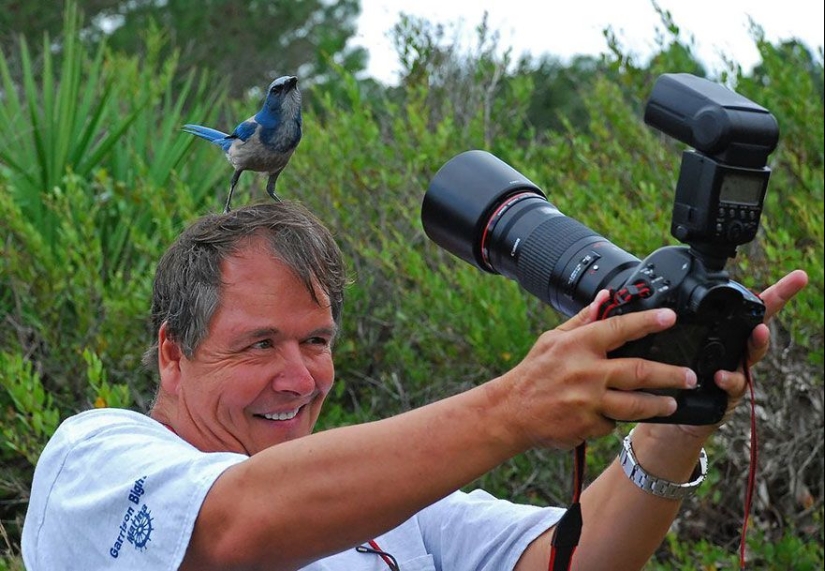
{"x": 461, "y": 197}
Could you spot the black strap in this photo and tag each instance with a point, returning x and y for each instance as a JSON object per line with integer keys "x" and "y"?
{"x": 566, "y": 538}
{"x": 569, "y": 529}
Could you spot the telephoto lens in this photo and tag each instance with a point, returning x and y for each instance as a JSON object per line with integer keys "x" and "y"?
{"x": 485, "y": 212}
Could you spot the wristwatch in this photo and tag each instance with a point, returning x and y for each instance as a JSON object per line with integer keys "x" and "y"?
{"x": 658, "y": 486}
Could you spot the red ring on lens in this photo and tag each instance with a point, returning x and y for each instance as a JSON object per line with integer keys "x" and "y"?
{"x": 494, "y": 218}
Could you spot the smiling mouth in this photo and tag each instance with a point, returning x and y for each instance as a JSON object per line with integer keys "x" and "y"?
{"x": 288, "y": 415}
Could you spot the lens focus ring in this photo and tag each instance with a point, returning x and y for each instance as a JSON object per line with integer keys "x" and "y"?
{"x": 542, "y": 251}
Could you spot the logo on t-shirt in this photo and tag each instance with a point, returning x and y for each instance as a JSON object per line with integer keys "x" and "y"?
{"x": 136, "y": 526}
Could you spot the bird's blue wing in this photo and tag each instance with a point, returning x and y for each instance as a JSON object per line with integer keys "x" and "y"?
{"x": 245, "y": 130}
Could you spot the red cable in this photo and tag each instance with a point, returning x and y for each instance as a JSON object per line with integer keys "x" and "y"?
{"x": 753, "y": 465}
{"x": 380, "y": 552}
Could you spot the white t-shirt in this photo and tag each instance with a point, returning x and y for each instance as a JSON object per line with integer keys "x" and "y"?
{"x": 117, "y": 490}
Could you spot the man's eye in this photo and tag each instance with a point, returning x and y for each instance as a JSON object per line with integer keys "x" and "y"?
{"x": 262, "y": 344}
{"x": 318, "y": 341}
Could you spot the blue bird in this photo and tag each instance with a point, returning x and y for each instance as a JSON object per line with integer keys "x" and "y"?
{"x": 264, "y": 142}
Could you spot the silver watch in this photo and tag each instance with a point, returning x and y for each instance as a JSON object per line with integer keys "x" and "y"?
{"x": 658, "y": 486}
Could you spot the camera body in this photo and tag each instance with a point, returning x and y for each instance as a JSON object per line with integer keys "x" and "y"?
{"x": 488, "y": 214}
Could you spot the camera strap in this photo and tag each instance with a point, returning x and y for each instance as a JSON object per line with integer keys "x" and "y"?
{"x": 569, "y": 529}
{"x": 753, "y": 461}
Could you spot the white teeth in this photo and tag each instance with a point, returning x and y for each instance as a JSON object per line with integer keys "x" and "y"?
{"x": 281, "y": 415}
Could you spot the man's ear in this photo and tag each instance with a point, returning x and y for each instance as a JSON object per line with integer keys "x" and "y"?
{"x": 169, "y": 358}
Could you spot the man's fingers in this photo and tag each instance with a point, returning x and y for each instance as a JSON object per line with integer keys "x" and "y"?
{"x": 618, "y": 330}
{"x": 758, "y": 343}
{"x": 637, "y": 405}
{"x": 776, "y": 296}
{"x": 587, "y": 314}
{"x": 632, "y": 373}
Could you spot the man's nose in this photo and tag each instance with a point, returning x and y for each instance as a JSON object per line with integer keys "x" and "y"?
{"x": 292, "y": 374}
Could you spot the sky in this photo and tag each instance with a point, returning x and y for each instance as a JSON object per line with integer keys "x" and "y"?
{"x": 719, "y": 27}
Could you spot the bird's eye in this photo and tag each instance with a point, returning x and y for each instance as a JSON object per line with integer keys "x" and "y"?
{"x": 276, "y": 89}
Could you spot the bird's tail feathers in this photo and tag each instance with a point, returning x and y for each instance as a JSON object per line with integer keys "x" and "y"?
{"x": 211, "y": 135}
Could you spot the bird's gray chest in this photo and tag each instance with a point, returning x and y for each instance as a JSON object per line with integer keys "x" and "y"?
{"x": 262, "y": 152}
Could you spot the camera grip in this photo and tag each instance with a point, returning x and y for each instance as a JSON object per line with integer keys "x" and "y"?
{"x": 711, "y": 333}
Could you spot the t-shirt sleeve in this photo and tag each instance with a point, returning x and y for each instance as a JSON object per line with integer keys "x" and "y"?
{"x": 116, "y": 490}
{"x": 480, "y": 532}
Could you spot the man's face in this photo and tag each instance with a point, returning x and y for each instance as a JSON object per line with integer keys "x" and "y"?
{"x": 261, "y": 375}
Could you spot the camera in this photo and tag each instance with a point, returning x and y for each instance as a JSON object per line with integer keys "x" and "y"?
{"x": 486, "y": 213}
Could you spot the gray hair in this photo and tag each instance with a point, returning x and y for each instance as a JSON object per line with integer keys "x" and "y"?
{"x": 187, "y": 287}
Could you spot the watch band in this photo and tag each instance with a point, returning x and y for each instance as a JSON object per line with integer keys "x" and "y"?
{"x": 658, "y": 486}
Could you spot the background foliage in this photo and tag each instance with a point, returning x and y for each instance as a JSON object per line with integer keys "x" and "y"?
{"x": 244, "y": 44}
{"x": 96, "y": 179}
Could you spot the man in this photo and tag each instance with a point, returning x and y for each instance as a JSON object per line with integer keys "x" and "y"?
{"x": 225, "y": 472}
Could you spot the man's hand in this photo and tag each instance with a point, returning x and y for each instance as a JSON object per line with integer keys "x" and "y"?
{"x": 567, "y": 390}
{"x": 774, "y": 298}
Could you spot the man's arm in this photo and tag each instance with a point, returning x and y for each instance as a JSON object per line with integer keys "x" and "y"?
{"x": 298, "y": 501}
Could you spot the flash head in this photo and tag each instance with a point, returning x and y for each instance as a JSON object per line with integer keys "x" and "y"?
{"x": 712, "y": 119}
